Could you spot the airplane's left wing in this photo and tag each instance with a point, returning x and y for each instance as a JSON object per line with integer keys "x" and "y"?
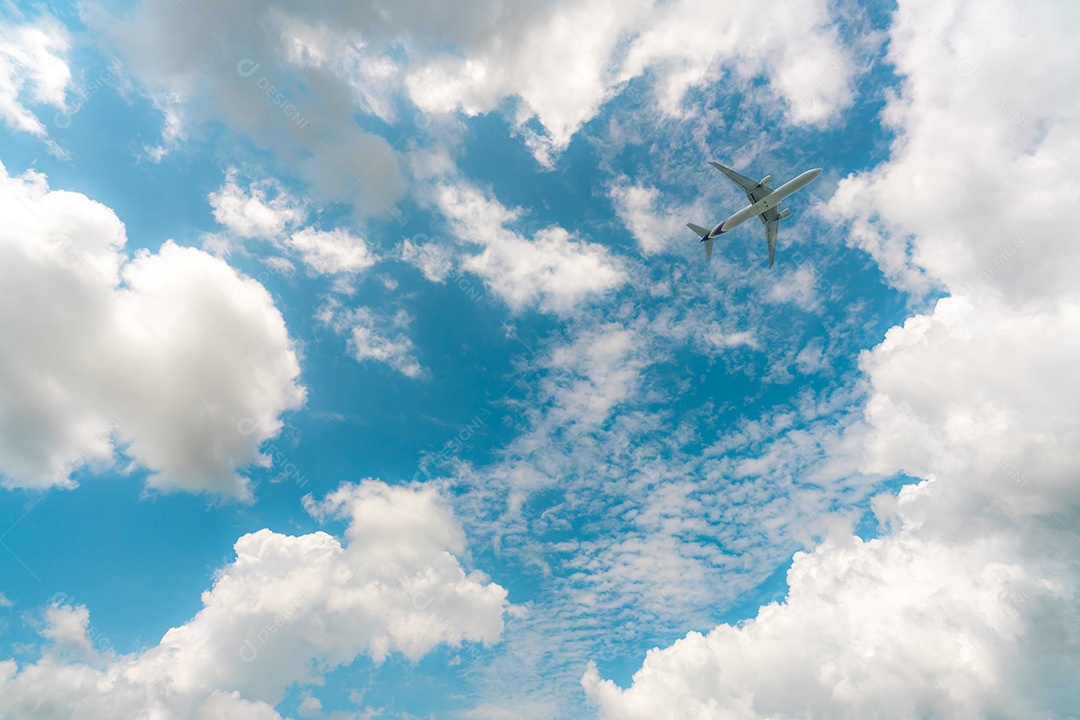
{"x": 753, "y": 189}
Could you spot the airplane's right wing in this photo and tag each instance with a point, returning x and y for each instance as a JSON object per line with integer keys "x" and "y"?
{"x": 753, "y": 189}
{"x": 771, "y": 218}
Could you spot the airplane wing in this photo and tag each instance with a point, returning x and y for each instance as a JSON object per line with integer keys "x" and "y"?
{"x": 753, "y": 189}
{"x": 771, "y": 218}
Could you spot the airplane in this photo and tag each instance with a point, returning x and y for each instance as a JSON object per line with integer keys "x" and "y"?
{"x": 764, "y": 203}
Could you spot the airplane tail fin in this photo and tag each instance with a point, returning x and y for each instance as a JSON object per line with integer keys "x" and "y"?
{"x": 704, "y": 235}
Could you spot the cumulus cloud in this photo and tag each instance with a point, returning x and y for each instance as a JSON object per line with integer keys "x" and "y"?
{"x": 999, "y": 429}
{"x": 67, "y": 628}
{"x": 553, "y": 270}
{"x": 991, "y": 127}
{"x": 33, "y": 71}
{"x": 966, "y": 605}
{"x": 1000, "y": 250}
{"x": 287, "y": 610}
{"x": 894, "y": 627}
{"x": 171, "y": 358}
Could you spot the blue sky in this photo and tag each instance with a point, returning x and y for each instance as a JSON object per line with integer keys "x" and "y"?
{"x": 403, "y": 391}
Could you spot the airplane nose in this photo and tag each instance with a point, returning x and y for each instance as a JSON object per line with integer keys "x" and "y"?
{"x": 814, "y": 173}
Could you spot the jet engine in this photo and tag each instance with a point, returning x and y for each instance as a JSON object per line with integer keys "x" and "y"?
{"x": 785, "y": 214}
{"x": 766, "y": 180}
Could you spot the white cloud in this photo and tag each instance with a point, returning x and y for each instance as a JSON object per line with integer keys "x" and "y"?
{"x": 366, "y": 343}
{"x": 719, "y": 339}
{"x": 33, "y": 70}
{"x": 267, "y": 211}
{"x": 797, "y": 287}
{"x": 432, "y": 259}
{"x": 652, "y": 224}
{"x": 372, "y": 337}
{"x": 66, "y": 627}
{"x": 553, "y": 270}
{"x": 331, "y": 251}
{"x": 310, "y": 706}
{"x": 811, "y": 358}
{"x": 287, "y": 610}
{"x": 263, "y": 210}
{"x": 589, "y": 377}
{"x": 977, "y": 394}
{"x": 558, "y": 63}
{"x": 692, "y": 43}
{"x": 185, "y": 366}
{"x": 281, "y": 266}
{"x": 173, "y": 133}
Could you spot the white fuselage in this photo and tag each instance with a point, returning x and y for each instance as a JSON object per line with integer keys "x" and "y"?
{"x": 766, "y": 203}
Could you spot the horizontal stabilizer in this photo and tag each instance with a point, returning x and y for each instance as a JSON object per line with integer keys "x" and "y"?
{"x": 701, "y": 232}
{"x": 708, "y": 249}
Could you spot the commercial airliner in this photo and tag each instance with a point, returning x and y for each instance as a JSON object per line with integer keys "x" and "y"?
{"x": 764, "y": 203}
